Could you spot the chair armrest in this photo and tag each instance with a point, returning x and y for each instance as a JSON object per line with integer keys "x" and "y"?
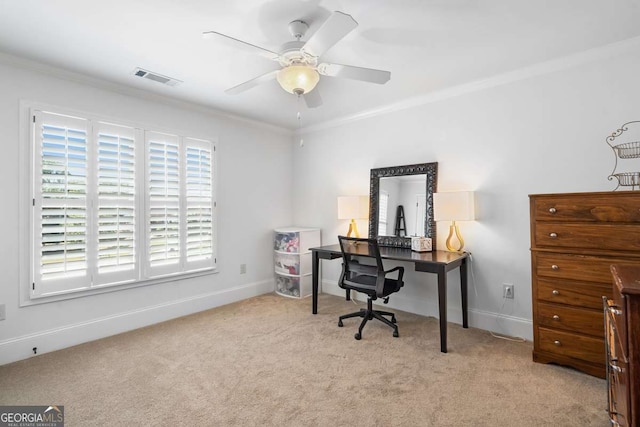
{"x": 399, "y": 269}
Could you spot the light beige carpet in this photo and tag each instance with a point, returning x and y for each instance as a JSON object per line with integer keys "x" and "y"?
{"x": 269, "y": 361}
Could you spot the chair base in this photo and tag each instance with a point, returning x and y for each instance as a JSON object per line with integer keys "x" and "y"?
{"x": 368, "y": 314}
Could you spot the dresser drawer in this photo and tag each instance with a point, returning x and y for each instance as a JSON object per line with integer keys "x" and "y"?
{"x": 587, "y": 236}
{"x": 577, "y": 267}
{"x": 612, "y": 207}
{"x": 573, "y": 319}
{"x": 572, "y": 345}
{"x": 582, "y": 294}
{"x": 617, "y": 308}
{"x": 617, "y": 372}
{"x": 619, "y": 394}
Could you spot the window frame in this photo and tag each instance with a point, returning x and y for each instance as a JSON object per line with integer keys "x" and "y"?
{"x": 30, "y": 172}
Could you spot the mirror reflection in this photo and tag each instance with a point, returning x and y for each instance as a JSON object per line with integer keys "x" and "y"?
{"x": 402, "y": 206}
{"x": 401, "y": 203}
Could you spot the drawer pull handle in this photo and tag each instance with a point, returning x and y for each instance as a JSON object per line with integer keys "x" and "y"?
{"x": 556, "y": 317}
{"x": 553, "y": 235}
{"x": 552, "y": 210}
{"x": 555, "y": 267}
{"x": 615, "y": 311}
{"x": 555, "y": 292}
{"x": 615, "y": 368}
{"x": 557, "y": 343}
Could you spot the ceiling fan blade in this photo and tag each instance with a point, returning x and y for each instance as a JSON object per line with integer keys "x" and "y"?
{"x": 241, "y": 45}
{"x": 355, "y": 73}
{"x": 271, "y": 75}
{"x": 334, "y": 29}
{"x": 313, "y": 98}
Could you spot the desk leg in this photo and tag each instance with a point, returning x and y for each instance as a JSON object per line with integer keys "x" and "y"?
{"x": 442, "y": 308}
{"x": 464, "y": 293}
{"x": 315, "y": 274}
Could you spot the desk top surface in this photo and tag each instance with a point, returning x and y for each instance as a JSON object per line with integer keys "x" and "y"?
{"x": 400, "y": 254}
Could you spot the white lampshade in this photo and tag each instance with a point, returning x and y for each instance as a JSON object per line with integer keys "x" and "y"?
{"x": 454, "y": 206}
{"x": 353, "y": 207}
{"x": 295, "y": 78}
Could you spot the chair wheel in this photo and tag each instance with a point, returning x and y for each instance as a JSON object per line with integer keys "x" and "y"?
{"x": 396, "y": 334}
{"x": 357, "y": 336}
{"x": 340, "y": 325}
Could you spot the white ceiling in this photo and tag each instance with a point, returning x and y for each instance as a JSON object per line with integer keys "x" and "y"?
{"x": 428, "y": 45}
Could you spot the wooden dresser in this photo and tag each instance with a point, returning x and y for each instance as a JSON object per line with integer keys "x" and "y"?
{"x": 575, "y": 237}
{"x": 622, "y": 333}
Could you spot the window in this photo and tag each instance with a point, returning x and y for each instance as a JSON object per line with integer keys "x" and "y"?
{"x": 116, "y": 204}
{"x": 421, "y": 214}
{"x": 382, "y": 213}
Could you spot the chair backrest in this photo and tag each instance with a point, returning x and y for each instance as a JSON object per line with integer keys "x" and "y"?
{"x": 370, "y": 278}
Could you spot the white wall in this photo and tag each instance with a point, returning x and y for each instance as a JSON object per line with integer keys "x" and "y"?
{"x": 254, "y": 196}
{"x": 542, "y": 133}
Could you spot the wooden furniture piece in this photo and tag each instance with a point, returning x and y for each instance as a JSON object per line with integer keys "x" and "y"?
{"x": 622, "y": 335}
{"x": 292, "y": 260}
{"x": 438, "y": 262}
{"x": 575, "y": 238}
{"x": 371, "y": 280}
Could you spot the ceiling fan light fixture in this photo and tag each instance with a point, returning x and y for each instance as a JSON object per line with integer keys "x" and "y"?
{"x": 298, "y": 78}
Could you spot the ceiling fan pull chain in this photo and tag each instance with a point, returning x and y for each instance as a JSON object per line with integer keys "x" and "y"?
{"x": 299, "y": 122}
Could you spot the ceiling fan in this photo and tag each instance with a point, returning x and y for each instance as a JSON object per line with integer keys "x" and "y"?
{"x": 300, "y": 67}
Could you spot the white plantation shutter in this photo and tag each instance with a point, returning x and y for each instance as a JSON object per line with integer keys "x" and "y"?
{"x": 116, "y": 203}
{"x": 60, "y": 204}
{"x": 163, "y": 202}
{"x": 383, "y": 210}
{"x": 421, "y": 206}
{"x": 199, "y": 202}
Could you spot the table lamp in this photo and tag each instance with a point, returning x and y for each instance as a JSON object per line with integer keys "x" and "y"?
{"x": 353, "y": 207}
{"x": 454, "y": 206}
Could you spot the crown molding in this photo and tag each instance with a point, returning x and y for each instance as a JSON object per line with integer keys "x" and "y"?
{"x": 535, "y": 70}
{"x": 547, "y": 67}
{"x": 123, "y": 89}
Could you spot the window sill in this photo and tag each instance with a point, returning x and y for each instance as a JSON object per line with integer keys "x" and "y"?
{"x": 30, "y": 301}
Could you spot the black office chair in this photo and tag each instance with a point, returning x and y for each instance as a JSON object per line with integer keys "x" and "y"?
{"x": 369, "y": 279}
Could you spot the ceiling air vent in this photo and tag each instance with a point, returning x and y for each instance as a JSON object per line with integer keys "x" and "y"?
{"x": 146, "y": 74}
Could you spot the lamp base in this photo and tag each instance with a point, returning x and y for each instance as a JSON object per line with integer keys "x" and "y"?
{"x": 451, "y": 245}
{"x": 353, "y": 228}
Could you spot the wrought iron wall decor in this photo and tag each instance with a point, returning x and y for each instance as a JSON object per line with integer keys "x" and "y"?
{"x": 431, "y": 172}
{"x": 627, "y": 150}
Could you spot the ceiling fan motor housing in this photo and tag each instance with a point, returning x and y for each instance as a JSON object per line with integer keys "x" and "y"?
{"x": 291, "y": 53}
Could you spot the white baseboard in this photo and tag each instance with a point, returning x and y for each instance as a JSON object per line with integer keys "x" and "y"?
{"x": 495, "y": 322}
{"x": 19, "y": 348}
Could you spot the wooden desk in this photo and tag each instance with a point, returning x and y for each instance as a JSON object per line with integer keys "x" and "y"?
{"x": 437, "y": 262}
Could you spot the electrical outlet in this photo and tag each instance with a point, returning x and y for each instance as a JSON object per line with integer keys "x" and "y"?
{"x": 507, "y": 291}
{"x": 3, "y": 312}
{"x": 243, "y": 268}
